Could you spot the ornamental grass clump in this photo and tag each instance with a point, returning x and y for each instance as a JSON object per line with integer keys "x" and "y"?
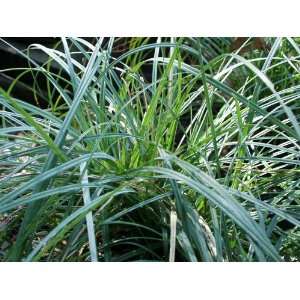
{"x": 179, "y": 149}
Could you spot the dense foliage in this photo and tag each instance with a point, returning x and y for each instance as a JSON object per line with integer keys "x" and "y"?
{"x": 158, "y": 149}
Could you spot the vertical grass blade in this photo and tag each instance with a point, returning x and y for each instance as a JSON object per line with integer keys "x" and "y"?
{"x": 173, "y": 223}
{"x": 89, "y": 216}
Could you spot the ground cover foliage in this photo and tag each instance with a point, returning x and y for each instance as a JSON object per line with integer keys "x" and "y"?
{"x": 152, "y": 149}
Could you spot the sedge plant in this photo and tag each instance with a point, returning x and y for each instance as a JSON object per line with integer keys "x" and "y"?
{"x": 174, "y": 149}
